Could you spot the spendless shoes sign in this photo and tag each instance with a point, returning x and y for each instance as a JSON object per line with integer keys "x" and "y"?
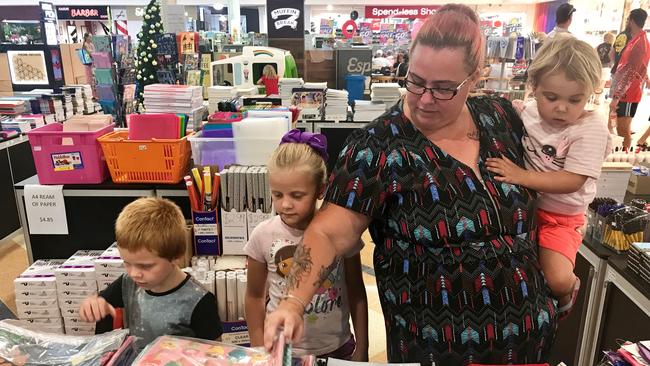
{"x": 407, "y": 11}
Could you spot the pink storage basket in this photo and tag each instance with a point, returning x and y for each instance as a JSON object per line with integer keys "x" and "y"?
{"x": 68, "y": 157}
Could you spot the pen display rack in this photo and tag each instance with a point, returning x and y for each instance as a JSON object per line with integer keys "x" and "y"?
{"x": 206, "y": 233}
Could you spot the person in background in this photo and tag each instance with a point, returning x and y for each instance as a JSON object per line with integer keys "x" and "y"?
{"x": 379, "y": 61}
{"x": 88, "y": 48}
{"x": 565, "y": 147}
{"x": 563, "y": 19}
{"x": 401, "y": 67}
{"x": 631, "y": 73}
{"x": 620, "y": 42}
{"x": 456, "y": 256}
{"x": 604, "y": 51}
{"x": 270, "y": 80}
{"x": 158, "y": 298}
{"x": 390, "y": 57}
{"x": 298, "y": 175}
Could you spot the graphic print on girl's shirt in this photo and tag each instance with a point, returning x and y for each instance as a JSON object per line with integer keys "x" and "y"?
{"x": 327, "y": 316}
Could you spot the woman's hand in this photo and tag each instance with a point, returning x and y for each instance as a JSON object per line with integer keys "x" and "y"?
{"x": 287, "y": 318}
{"x": 507, "y": 171}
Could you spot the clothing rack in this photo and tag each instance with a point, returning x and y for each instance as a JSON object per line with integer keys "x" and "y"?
{"x": 509, "y": 49}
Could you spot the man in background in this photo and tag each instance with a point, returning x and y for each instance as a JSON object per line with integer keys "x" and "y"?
{"x": 563, "y": 19}
{"x": 631, "y": 73}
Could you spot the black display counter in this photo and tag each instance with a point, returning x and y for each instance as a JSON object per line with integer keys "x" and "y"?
{"x": 16, "y": 164}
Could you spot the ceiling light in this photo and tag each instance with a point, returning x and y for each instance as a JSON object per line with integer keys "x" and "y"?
{"x": 218, "y": 6}
{"x": 330, "y": 7}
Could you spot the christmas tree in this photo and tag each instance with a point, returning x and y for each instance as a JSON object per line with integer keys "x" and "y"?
{"x": 145, "y": 58}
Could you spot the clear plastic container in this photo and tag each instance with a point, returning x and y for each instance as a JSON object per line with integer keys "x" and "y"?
{"x": 213, "y": 151}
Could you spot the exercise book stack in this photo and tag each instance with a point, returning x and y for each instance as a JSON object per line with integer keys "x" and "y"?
{"x": 336, "y": 105}
{"x": 169, "y": 98}
{"x": 13, "y": 107}
{"x": 83, "y": 94}
{"x": 109, "y": 266}
{"x": 366, "y": 110}
{"x": 75, "y": 280}
{"x": 219, "y": 93}
{"x": 286, "y": 86}
{"x": 36, "y": 297}
{"x": 385, "y": 92}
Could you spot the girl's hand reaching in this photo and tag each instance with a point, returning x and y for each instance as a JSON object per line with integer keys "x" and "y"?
{"x": 507, "y": 171}
{"x": 286, "y": 318}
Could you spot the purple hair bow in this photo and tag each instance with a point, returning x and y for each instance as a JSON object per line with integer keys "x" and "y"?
{"x": 316, "y": 141}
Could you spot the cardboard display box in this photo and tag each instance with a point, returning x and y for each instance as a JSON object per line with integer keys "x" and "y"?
{"x": 638, "y": 184}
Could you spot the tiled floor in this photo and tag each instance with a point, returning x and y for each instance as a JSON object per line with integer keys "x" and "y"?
{"x": 376, "y": 330}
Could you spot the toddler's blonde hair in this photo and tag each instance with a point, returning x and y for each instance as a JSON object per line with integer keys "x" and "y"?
{"x": 155, "y": 224}
{"x": 299, "y": 156}
{"x": 269, "y": 72}
{"x": 577, "y": 59}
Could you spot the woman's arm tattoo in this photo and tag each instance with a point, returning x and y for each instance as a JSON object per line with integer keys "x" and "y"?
{"x": 301, "y": 266}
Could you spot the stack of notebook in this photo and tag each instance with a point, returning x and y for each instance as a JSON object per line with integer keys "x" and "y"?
{"x": 167, "y": 98}
{"x": 13, "y": 107}
{"x": 387, "y": 93}
{"x": 336, "y": 105}
{"x": 366, "y": 110}
{"x": 219, "y": 93}
{"x": 286, "y": 86}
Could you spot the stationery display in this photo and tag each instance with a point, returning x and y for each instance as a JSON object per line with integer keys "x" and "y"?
{"x": 310, "y": 102}
{"x": 245, "y": 202}
{"x": 286, "y": 86}
{"x": 157, "y": 126}
{"x": 185, "y": 99}
{"x": 36, "y": 296}
{"x": 638, "y": 260}
{"x": 624, "y": 227}
{"x": 366, "y": 110}
{"x": 109, "y": 266}
{"x": 76, "y": 280}
{"x": 169, "y": 350}
{"x": 203, "y": 191}
{"x": 20, "y": 346}
{"x": 219, "y": 93}
{"x": 388, "y": 93}
{"x": 336, "y": 105}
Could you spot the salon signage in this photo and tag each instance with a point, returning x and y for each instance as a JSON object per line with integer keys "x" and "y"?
{"x": 82, "y": 12}
{"x": 406, "y": 11}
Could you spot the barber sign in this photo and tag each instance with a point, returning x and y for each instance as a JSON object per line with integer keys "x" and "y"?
{"x": 285, "y": 18}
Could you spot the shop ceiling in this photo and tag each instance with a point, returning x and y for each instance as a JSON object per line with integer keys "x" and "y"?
{"x": 263, "y": 2}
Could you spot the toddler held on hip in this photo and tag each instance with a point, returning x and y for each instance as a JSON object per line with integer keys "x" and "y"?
{"x": 565, "y": 146}
{"x": 297, "y": 177}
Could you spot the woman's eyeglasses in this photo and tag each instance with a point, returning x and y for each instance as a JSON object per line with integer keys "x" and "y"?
{"x": 436, "y": 93}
